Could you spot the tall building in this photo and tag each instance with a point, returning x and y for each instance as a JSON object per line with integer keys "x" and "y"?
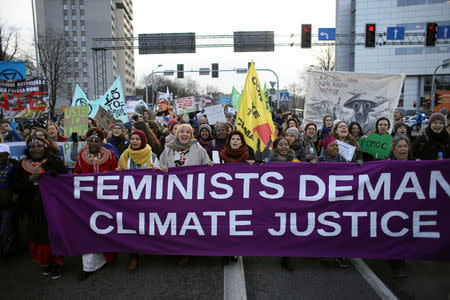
{"x": 78, "y": 22}
{"x": 418, "y": 62}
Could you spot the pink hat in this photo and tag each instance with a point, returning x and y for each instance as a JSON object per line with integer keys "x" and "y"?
{"x": 326, "y": 141}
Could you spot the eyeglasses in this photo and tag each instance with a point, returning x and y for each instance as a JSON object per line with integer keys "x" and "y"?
{"x": 342, "y": 126}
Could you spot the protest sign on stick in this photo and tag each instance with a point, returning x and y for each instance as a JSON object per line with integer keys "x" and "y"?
{"x": 76, "y": 119}
{"x": 185, "y": 105}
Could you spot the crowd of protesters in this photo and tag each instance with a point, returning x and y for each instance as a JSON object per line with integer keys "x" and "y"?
{"x": 144, "y": 143}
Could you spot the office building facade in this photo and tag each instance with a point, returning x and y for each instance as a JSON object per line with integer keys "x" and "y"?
{"x": 78, "y": 22}
{"x": 417, "y": 61}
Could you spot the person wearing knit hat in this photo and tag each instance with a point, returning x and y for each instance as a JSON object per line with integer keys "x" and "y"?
{"x": 204, "y": 135}
{"x": 434, "y": 143}
{"x": 292, "y": 135}
{"x": 330, "y": 152}
{"x": 137, "y": 156}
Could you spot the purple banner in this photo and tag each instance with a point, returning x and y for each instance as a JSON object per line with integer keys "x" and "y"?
{"x": 385, "y": 209}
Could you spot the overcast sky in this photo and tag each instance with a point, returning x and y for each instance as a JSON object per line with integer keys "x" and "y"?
{"x": 284, "y": 17}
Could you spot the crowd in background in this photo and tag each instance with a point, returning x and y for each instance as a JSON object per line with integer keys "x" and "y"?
{"x": 144, "y": 143}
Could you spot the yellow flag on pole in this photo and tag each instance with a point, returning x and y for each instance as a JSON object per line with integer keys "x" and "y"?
{"x": 253, "y": 119}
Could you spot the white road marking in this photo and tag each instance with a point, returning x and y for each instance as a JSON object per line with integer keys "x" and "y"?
{"x": 380, "y": 288}
{"x": 234, "y": 281}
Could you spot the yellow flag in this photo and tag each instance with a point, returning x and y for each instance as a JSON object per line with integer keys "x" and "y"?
{"x": 253, "y": 119}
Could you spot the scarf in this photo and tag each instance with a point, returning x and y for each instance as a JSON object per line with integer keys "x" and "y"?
{"x": 141, "y": 157}
{"x": 327, "y": 158}
{"x": 276, "y": 156}
{"x": 176, "y": 145}
{"x": 439, "y": 138}
{"x": 325, "y": 130}
{"x": 115, "y": 141}
{"x": 234, "y": 155}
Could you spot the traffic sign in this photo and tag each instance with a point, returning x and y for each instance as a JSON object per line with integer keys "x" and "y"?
{"x": 396, "y": 33}
{"x": 327, "y": 34}
{"x": 284, "y": 97}
{"x": 443, "y": 32}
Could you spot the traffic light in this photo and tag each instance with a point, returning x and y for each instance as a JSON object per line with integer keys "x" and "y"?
{"x": 415, "y": 104}
{"x": 437, "y": 101}
{"x": 215, "y": 70}
{"x": 430, "y": 37}
{"x": 370, "y": 35}
{"x": 306, "y": 36}
{"x": 180, "y": 71}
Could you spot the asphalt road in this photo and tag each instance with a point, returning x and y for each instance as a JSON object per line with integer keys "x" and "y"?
{"x": 159, "y": 277}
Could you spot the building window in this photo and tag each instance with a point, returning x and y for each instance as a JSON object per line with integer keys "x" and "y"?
{"x": 81, "y": 6}
{"x": 74, "y": 17}
{"x": 65, "y": 6}
{"x": 83, "y": 28}
{"x": 82, "y": 18}
{"x": 83, "y": 38}
{"x": 66, "y": 17}
{"x": 76, "y": 59}
{"x": 66, "y": 28}
{"x": 83, "y": 49}
{"x": 74, "y": 27}
{"x": 73, "y": 7}
{"x": 75, "y": 38}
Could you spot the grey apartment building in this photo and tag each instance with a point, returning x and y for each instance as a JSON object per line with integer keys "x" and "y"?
{"x": 79, "y": 22}
{"x": 418, "y": 62}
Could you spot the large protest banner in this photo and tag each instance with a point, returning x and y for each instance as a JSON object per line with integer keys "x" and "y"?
{"x": 275, "y": 209}
{"x": 253, "y": 119}
{"x": 349, "y": 96}
{"x": 23, "y": 98}
{"x": 17, "y": 151}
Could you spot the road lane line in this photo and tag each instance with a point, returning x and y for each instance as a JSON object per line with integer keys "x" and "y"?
{"x": 380, "y": 288}
{"x": 234, "y": 281}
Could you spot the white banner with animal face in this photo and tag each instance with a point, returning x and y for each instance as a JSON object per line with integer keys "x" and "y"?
{"x": 349, "y": 96}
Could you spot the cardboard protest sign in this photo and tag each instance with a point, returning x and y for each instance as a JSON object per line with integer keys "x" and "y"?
{"x": 377, "y": 145}
{"x": 185, "y": 105}
{"x": 103, "y": 118}
{"x": 215, "y": 114}
{"x": 349, "y": 96}
{"x": 76, "y": 120}
{"x": 23, "y": 98}
{"x": 346, "y": 150}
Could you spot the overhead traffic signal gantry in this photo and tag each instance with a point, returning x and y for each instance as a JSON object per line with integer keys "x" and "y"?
{"x": 180, "y": 71}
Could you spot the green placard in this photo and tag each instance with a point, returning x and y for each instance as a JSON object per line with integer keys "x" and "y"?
{"x": 377, "y": 145}
{"x": 76, "y": 120}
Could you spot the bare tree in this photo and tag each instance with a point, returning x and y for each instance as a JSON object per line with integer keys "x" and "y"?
{"x": 52, "y": 55}
{"x": 9, "y": 42}
{"x": 325, "y": 59}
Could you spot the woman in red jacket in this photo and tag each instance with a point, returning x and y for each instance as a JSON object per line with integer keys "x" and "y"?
{"x": 95, "y": 159}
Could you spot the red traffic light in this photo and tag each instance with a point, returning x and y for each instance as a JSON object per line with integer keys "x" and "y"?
{"x": 432, "y": 27}
{"x": 414, "y": 103}
{"x": 307, "y": 28}
{"x": 429, "y": 101}
{"x": 371, "y": 28}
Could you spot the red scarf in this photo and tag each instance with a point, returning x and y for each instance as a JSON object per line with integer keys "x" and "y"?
{"x": 234, "y": 155}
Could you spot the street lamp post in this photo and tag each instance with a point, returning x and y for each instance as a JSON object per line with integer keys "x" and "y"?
{"x": 146, "y": 82}
{"x": 444, "y": 64}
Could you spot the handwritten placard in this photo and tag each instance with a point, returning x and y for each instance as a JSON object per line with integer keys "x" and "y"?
{"x": 185, "y": 105}
{"x": 346, "y": 150}
{"x": 76, "y": 120}
{"x": 215, "y": 114}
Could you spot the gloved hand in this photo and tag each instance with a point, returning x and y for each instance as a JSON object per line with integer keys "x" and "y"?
{"x": 74, "y": 137}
